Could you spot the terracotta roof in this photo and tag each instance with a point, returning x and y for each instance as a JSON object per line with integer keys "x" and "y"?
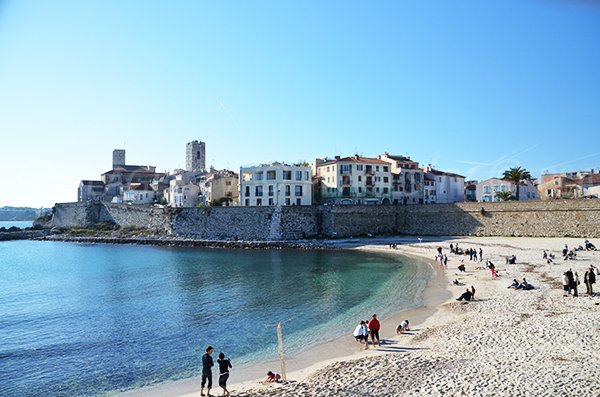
{"x": 592, "y": 179}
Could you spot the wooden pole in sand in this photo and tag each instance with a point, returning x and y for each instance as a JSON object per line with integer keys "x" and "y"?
{"x": 279, "y": 329}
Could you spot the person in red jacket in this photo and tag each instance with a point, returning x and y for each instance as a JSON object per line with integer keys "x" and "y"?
{"x": 374, "y": 329}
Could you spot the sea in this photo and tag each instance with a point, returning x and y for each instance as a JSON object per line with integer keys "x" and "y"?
{"x": 19, "y": 224}
{"x": 93, "y": 320}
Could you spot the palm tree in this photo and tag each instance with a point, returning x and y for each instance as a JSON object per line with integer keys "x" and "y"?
{"x": 516, "y": 175}
{"x": 504, "y": 196}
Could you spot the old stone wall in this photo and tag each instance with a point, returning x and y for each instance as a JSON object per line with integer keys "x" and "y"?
{"x": 572, "y": 218}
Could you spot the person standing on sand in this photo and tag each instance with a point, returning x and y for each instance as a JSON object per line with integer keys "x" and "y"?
{"x": 446, "y": 260}
{"x": 589, "y": 279}
{"x": 224, "y": 366}
{"x": 576, "y": 282}
{"x": 480, "y": 255}
{"x": 569, "y": 274}
{"x": 374, "y": 327}
{"x": 473, "y": 291}
{"x": 566, "y": 284}
{"x": 207, "y": 364}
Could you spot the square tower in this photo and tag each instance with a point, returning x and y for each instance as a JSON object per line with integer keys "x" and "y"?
{"x": 118, "y": 157}
{"x": 195, "y": 156}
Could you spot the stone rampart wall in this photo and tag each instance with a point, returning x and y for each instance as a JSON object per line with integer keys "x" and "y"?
{"x": 544, "y": 219}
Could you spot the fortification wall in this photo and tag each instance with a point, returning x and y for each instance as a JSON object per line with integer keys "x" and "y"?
{"x": 570, "y": 218}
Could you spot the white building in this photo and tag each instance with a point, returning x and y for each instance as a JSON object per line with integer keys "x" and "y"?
{"x": 407, "y": 179}
{"x": 486, "y": 190}
{"x": 183, "y": 193}
{"x": 449, "y": 187}
{"x": 276, "y": 184}
{"x": 139, "y": 193}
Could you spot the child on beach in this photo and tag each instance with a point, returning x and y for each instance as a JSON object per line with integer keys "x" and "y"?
{"x": 273, "y": 377}
{"x": 224, "y": 366}
{"x": 403, "y": 327}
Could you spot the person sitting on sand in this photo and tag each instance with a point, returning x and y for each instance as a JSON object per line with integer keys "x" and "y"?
{"x": 515, "y": 284}
{"x": 361, "y": 333}
{"x": 273, "y": 377}
{"x": 467, "y": 295}
{"x": 511, "y": 260}
{"x": 461, "y": 267}
{"x": 456, "y": 282}
{"x": 589, "y": 246}
{"x": 403, "y": 327}
{"x": 525, "y": 285}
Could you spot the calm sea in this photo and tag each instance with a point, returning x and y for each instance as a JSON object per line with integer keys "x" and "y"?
{"x": 86, "y": 320}
{"x": 19, "y": 224}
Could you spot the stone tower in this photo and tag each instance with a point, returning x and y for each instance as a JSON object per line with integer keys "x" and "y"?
{"x": 118, "y": 157}
{"x": 195, "y": 156}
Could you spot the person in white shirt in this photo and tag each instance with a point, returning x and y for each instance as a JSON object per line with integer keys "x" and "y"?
{"x": 361, "y": 333}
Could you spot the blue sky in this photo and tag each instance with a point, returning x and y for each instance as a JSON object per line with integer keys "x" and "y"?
{"x": 472, "y": 87}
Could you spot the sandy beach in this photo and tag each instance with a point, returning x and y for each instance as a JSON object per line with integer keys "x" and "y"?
{"x": 506, "y": 342}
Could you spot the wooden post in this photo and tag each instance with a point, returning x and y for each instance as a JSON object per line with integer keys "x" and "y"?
{"x": 279, "y": 329}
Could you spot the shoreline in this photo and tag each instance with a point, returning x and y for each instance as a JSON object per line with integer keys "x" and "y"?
{"x": 249, "y": 376}
{"x": 504, "y": 343}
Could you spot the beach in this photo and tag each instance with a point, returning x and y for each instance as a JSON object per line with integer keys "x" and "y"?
{"x": 506, "y": 342}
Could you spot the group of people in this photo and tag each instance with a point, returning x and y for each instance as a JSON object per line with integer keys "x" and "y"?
{"x": 471, "y": 252}
{"x": 521, "y": 285}
{"x": 570, "y": 281}
{"x": 365, "y": 329}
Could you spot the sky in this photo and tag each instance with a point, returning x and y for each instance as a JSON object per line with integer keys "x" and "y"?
{"x": 472, "y": 87}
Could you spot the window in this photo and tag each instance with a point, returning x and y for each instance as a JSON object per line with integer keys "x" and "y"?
{"x": 287, "y": 175}
{"x": 360, "y": 189}
{"x": 271, "y": 175}
{"x": 385, "y": 190}
{"x": 486, "y": 189}
{"x": 496, "y": 188}
{"x": 298, "y": 190}
{"x": 247, "y": 192}
{"x": 359, "y": 178}
{"x": 259, "y": 176}
{"x": 258, "y": 201}
{"x": 346, "y": 191}
{"x": 386, "y": 179}
{"x": 287, "y": 201}
{"x": 258, "y": 190}
{"x": 247, "y": 202}
{"x": 502, "y": 188}
{"x": 271, "y": 190}
{"x": 298, "y": 175}
{"x": 377, "y": 179}
{"x": 327, "y": 168}
{"x": 271, "y": 201}
{"x": 228, "y": 183}
{"x": 307, "y": 175}
{"x": 359, "y": 167}
{"x": 385, "y": 168}
{"x": 298, "y": 201}
{"x": 377, "y": 168}
{"x": 346, "y": 168}
{"x": 377, "y": 189}
{"x": 288, "y": 190}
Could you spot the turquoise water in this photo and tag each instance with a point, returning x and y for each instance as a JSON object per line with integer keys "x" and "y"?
{"x": 19, "y": 224}
{"x": 86, "y": 320}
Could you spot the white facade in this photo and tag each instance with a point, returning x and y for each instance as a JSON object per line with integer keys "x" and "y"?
{"x": 183, "y": 193}
{"x": 408, "y": 182}
{"x": 278, "y": 184}
{"x": 449, "y": 187}
{"x": 139, "y": 194}
{"x": 486, "y": 190}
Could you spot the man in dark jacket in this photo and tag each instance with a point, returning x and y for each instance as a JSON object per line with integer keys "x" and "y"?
{"x": 589, "y": 279}
{"x": 207, "y": 364}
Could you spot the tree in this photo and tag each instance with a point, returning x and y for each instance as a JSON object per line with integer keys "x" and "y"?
{"x": 516, "y": 175}
{"x": 504, "y": 196}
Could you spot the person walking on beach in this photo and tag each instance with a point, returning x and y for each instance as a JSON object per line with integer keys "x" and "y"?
{"x": 446, "y": 260}
{"x": 207, "y": 364}
{"x": 374, "y": 327}
{"x": 480, "y": 255}
{"x": 224, "y": 366}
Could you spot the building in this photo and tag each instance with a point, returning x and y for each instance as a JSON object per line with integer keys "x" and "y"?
{"x": 569, "y": 185}
{"x": 352, "y": 180}
{"x": 486, "y": 190}
{"x": 139, "y": 193}
{"x": 223, "y": 185}
{"x": 407, "y": 179}
{"x": 449, "y": 187}
{"x": 471, "y": 191}
{"x": 184, "y": 193}
{"x": 275, "y": 184}
{"x": 195, "y": 156}
{"x": 429, "y": 189}
{"x": 90, "y": 191}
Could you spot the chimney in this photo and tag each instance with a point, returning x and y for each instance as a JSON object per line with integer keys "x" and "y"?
{"x": 337, "y": 157}
{"x": 356, "y": 156}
